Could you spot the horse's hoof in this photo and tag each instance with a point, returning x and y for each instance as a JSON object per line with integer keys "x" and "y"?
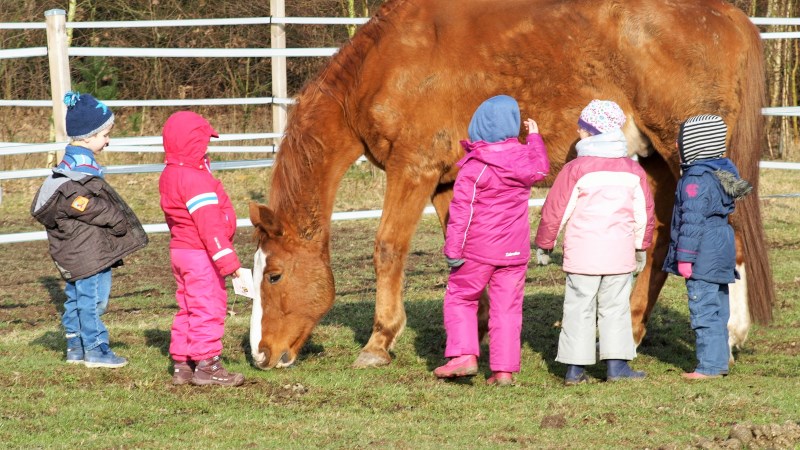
{"x": 366, "y": 360}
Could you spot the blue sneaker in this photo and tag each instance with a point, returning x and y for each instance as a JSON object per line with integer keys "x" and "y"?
{"x": 74, "y": 350}
{"x": 102, "y": 356}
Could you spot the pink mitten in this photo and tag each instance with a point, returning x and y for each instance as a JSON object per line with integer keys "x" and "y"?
{"x": 685, "y": 269}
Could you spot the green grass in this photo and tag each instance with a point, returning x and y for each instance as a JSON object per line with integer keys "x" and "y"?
{"x": 323, "y": 403}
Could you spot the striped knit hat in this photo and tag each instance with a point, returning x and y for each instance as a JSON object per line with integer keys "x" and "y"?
{"x": 702, "y": 137}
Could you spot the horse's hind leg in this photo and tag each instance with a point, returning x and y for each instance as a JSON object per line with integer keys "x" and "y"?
{"x": 650, "y": 281}
{"x": 739, "y": 322}
{"x": 406, "y": 196}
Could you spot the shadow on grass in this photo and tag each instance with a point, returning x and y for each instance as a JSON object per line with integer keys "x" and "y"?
{"x": 55, "y": 289}
{"x": 51, "y": 340}
{"x": 669, "y": 339}
{"x": 158, "y": 339}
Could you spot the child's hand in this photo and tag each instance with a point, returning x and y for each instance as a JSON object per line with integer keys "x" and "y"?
{"x": 235, "y": 274}
{"x": 543, "y": 256}
{"x": 533, "y": 127}
{"x": 685, "y": 269}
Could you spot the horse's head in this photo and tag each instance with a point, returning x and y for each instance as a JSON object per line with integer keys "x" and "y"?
{"x": 295, "y": 284}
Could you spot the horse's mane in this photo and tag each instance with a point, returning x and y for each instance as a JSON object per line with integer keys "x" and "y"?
{"x": 302, "y": 151}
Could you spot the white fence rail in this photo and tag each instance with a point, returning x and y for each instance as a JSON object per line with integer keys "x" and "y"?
{"x": 152, "y": 144}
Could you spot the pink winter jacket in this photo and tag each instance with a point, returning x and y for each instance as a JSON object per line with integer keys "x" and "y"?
{"x": 197, "y": 210}
{"x": 603, "y": 202}
{"x": 489, "y": 212}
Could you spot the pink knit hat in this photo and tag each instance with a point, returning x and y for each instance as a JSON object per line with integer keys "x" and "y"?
{"x": 601, "y": 116}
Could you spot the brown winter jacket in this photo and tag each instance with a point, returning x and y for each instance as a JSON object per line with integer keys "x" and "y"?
{"x": 89, "y": 226}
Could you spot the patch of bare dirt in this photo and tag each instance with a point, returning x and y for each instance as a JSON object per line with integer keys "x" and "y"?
{"x": 753, "y": 437}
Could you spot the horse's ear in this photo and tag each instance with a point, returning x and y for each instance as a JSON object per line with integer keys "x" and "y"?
{"x": 266, "y": 220}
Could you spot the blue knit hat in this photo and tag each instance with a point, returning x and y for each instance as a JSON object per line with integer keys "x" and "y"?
{"x": 495, "y": 120}
{"x": 86, "y": 116}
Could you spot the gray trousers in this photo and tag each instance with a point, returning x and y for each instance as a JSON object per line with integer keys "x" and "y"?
{"x": 592, "y": 303}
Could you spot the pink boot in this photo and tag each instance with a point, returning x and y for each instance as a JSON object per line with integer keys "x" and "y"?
{"x": 500, "y": 379}
{"x": 698, "y": 376}
{"x": 460, "y": 366}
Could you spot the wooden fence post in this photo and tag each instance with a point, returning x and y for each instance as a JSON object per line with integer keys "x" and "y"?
{"x": 56, "y": 21}
{"x": 278, "y": 40}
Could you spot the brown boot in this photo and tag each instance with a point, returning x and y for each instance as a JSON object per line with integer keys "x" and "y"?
{"x": 183, "y": 372}
{"x": 210, "y": 371}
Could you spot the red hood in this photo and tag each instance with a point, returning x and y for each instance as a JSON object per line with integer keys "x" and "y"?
{"x": 186, "y": 136}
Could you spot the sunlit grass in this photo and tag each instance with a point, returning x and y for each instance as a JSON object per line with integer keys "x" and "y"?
{"x": 323, "y": 403}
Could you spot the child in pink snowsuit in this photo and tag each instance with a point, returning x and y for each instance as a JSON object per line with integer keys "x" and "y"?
{"x": 202, "y": 223}
{"x": 488, "y": 239}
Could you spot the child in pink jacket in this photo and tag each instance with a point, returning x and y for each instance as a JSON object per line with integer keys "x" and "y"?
{"x": 488, "y": 239}
{"x": 202, "y": 223}
{"x": 602, "y": 201}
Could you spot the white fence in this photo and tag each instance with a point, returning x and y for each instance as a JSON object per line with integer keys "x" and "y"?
{"x": 59, "y": 54}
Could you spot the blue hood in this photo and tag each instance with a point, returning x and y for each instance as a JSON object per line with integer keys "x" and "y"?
{"x": 496, "y": 120}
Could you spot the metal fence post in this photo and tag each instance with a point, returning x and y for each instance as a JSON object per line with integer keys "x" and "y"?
{"x": 56, "y": 20}
{"x": 278, "y": 40}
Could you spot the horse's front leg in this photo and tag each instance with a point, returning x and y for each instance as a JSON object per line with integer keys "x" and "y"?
{"x": 650, "y": 281}
{"x": 406, "y": 196}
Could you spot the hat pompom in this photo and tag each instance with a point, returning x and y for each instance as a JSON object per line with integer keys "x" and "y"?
{"x": 71, "y": 98}
{"x": 86, "y": 116}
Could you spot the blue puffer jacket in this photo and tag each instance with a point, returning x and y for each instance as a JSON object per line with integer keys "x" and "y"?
{"x": 700, "y": 232}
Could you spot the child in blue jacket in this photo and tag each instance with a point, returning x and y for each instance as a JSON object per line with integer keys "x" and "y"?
{"x": 702, "y": 247}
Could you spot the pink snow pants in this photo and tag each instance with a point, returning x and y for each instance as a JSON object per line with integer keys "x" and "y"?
{"x": 506, "y": 291}
{"x": 202, "y": 305}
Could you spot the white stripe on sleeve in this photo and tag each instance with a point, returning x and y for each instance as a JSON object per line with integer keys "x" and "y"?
{"x": 221, "y": 253}
{"x": 198, "y": 201}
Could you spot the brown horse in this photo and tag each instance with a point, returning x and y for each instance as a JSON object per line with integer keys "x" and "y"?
{"x": 402, "y": 93}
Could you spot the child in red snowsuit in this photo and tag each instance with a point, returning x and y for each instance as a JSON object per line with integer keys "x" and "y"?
{"x": 202, "y": 223}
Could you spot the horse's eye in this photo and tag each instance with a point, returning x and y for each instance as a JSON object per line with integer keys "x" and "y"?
{"x": 274, "y": 278}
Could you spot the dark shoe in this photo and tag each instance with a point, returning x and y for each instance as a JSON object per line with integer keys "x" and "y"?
{"x": 183, "y": 372}
{"x": 460, "y": 366}
{"x": 74, "y": 350}
{"x": 500, "y": 379}
{"x": 102, "y": 356}
{"x": 618, "y": 369}
{"x": 699, "y": 376}
{"x": 210, "y": 371}
{"x": 575, "y": 375}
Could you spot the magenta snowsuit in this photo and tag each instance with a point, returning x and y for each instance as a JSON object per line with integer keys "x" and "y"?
{"x": 489, "y": 228}
{"x": 202, "y": 223}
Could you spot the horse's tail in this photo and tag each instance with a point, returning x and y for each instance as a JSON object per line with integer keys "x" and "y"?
{"x": 745, "y": 151}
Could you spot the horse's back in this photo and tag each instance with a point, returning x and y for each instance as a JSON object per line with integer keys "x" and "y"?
{"x": 436, "y": 61}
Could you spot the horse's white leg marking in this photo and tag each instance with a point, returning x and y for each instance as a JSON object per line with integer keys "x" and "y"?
{"x": 259, "y": 261}
{"x": 739, "y": 323}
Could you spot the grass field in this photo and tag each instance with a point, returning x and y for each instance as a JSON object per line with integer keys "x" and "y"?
{"x": 323, "y": 403}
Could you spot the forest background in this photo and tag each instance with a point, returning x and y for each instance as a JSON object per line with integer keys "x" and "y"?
{"x": 120, "y": 78}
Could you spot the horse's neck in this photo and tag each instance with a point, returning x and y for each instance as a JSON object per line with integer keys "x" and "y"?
{"x": 318, "y": 149}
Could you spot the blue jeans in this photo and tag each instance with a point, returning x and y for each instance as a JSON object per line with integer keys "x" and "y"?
{"x": 87, "y": 300}
{"x": 709, "y": 311}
